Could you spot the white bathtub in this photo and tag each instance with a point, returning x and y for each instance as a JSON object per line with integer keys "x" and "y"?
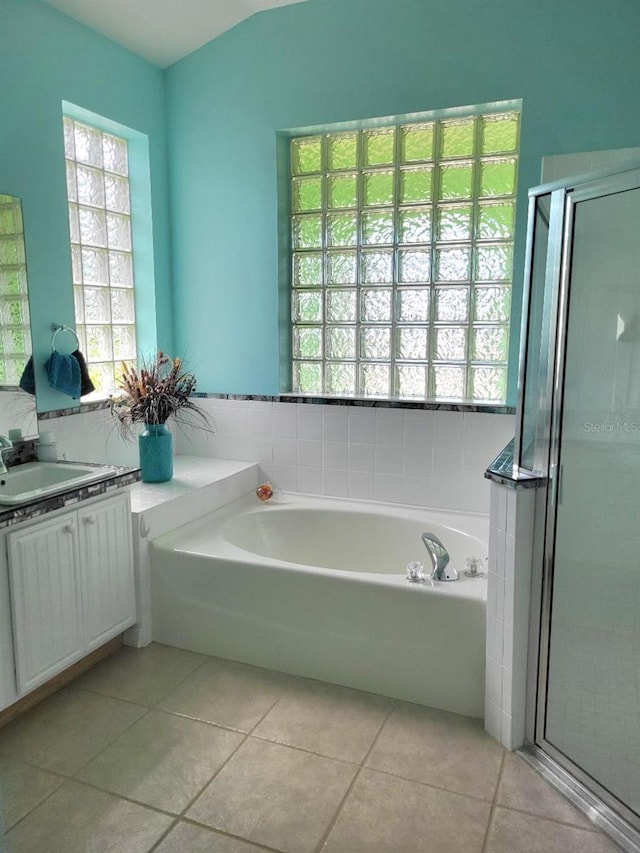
{"x": 316, "y": 587}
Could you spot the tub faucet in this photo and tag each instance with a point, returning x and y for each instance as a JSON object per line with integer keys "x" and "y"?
{"x": 5, "y": 444}
{"x": 439, "y": 557}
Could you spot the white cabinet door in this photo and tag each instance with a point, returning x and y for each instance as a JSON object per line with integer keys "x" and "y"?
{"x": 45, "y": 599}
{"x": 106, "y": 569}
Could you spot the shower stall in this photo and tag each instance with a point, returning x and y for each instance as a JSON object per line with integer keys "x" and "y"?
{"x": 579, "y": 431}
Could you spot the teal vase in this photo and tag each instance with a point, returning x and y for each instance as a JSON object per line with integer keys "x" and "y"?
{"x": 156, "y": 454}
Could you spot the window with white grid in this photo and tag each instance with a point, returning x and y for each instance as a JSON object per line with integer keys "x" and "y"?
{"x": 402, "y": 250}
{"x": 15, "y": 330}
{"x": 100, "y": 223}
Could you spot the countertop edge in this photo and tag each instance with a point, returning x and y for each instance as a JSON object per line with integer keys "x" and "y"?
{"x": 122, "y": 478}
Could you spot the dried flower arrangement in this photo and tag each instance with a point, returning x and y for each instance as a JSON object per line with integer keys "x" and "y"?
{"x": 156, "y": 391}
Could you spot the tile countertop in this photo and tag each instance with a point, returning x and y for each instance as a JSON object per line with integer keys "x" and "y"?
{"x": 190, "y": 473}
{"x": 119, "y": 479}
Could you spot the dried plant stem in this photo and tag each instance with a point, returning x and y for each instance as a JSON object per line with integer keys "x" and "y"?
{"x": 155, "y": 392}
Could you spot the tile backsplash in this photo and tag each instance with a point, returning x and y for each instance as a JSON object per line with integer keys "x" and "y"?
{"x": 413, "y": 456}
{"x": 91, "y": 437}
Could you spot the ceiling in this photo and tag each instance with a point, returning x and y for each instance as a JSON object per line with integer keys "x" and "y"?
{"x": 163, "y": 31}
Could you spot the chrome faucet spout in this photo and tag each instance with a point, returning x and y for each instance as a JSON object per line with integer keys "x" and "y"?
{"x": 439, "y": 557}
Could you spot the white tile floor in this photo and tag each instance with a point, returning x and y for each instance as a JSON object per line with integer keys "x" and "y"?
{"x": 166, "y": 750}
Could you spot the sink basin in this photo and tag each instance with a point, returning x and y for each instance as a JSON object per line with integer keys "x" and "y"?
{"x": 36, "y": 480}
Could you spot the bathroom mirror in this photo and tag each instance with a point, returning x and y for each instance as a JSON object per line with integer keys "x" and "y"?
{"x": 17, "y": 407}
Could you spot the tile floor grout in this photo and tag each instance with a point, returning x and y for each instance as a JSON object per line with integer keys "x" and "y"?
{"x": 287, "y": 689}
{"x": 223, "y": 833}
{"x": 424, "y": 784}
{"x": 71, "y": 777}
{"x": 247, "y": 735}
{"x": 182, "y": 816}
{"x": 487, "y": 833}
{"x": 361, "y": 767}
{"x": 167, "y": 832}
{"x": 591, "y": 828}
{"x": 39, "y": 803}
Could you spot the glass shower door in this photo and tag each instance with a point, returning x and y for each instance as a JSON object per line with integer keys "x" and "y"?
{"x": 589, "y": 712}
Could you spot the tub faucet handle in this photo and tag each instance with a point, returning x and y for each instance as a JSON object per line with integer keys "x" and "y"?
{"x": 473, "y": 567}
{"x": 415, "y": 573}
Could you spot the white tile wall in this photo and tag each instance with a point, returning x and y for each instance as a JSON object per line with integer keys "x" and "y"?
{"x": 426, "y": 458}
{"x": 91, "y": 437}
{"x": 511, "y": 522}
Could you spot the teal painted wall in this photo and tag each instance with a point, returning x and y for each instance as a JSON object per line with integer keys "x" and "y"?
{"x": 575, "y": 64}
{"x": 45, "y": 58}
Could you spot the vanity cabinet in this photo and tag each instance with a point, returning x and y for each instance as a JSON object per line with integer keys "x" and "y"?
{"x": 71, "y": 586}
{"x": 106, "y": 570}
{"x": 45, "y": 599}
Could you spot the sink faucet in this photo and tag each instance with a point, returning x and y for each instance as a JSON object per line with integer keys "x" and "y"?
{"x": 439, "y": 557}
{"x": 5, "y": 444}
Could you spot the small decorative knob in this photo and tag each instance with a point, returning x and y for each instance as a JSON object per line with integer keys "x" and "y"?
{"x": 68, "y": 528}
{"x": 89, "y": 519}
{"x": 264, "y": 492}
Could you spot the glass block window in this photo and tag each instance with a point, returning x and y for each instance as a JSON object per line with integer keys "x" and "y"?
{"x": 15, "y": 333}
{"x": 402, "y": 254}
{"x": 101, "y": 252}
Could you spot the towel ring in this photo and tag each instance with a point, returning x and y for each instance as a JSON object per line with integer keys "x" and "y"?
{"x": 55, "y": 328}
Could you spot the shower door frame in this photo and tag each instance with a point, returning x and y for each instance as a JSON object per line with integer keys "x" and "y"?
{"x": 604, "y": 808}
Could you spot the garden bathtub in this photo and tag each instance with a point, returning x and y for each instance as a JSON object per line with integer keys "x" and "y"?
{"x": 316, "y": 586}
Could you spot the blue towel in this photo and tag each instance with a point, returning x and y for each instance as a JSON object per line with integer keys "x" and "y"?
{"x": 28, "y": 380}
{"x": 63, "y": 372}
